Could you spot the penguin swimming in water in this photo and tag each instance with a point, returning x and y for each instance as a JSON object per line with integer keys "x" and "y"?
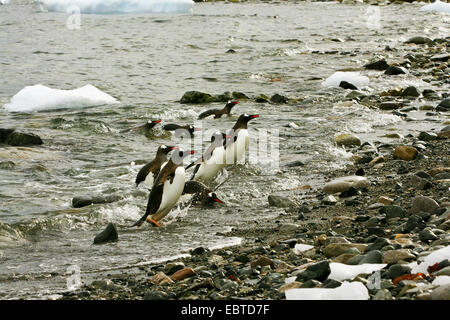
{"x": 236, "y": 146}
{"x": 218, "y": 112}
{"x": 149, "y": 172}
{"x": 145, "y": 127}
{"x": 212, "y": 161}
{"x": 201, "y": 193}
{"x": 166, "y": 190}
{"x": 172, "y": 127}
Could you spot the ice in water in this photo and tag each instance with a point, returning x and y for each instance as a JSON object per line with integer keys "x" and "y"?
{"x": 351, "y": 77}
{"x": 119, "y": 6}
{"x": 347, "y": 291}
{"x": 39, "y": 97}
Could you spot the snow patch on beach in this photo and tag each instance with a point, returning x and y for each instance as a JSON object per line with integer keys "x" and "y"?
{"x": 437, "y": 6}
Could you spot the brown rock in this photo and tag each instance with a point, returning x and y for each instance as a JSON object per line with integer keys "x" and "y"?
{"x": 444, "y": 134}
{"x": 405, "y": 153}
{"x": 292, "y": 285}
{"x": 424, "y": 204}
{"x": 436, "y": 171}
{"x": 206, "y": 283}
{"x": 262, "y": 261}
{"x": 385, "y": 200}
{"x": 377, "y": 160}
{"x": 336, "y": 249}
{"x": 183, "y": 274}
{"x": 161, "y": 279}
{"x": 394, "y": 256}
{"x": 343, "y": 258}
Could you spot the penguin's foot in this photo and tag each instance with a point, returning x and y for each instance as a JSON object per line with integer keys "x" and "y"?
{"x": 153, "y": 222}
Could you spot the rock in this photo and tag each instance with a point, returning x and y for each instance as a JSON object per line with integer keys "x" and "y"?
{"x": 197, "y": 97}
{"x": 443, "y": 134}
{"x": 277, "y": 98}
{"x": 441, "y": 293}
{"x": 318, "y": 271}
{"x": 161, "y": 279}
{"x": 424, "y": 204}
{"x": 346, "y": 257}
{"x": 390, "y": 105}
{"x": 393, "y": 212}
{"x": 4, "y": 133}
{"x": 280, "y": 202}
{"x": 347, "y": 85}
{"x": 331, "y": 284}
{"x": 419, "y": 40}
{"x": 377, "y": 244}
{"x": 427, "y": 235}
{"x": 397, "y": 270}
{"x": 172, "y": 267}
{"x": 205, "y": 283}
{"x": 410, "y": 91}
{"x": 443, "y": 272}
{"x": 373, "y": 256}
{"x": 155, "y": 295}
{"x": 383, "y": 294}
{"x": 183, "y": 274}
{"x": 242, "y": 258}
{"x": 393, "y": 256}
{"x": 7, "y": 165}
{"x": 379, "y": 65}
{"x": 393, "y": 71}
{"x": 108, "y": 235}
{"x": 425, "y": 136}
{"x": 292, "y": 285}
{"x": 336, "y": 249}
{"x": 441, "y": 57}
{"x": 347, "y": 140}
{"x": 377, "y": 160}
{"x": 262, "y": 98}
{"x": 414, "y": 222}
{"x": 385, "y": 200}
{"x": 288, "y": 227}
{"x": 83, "y": 201}
{"x": 345, "y": 183}
{"x": 262, "y": 261}
{"x": 311, "y": 283}
{"x": 329, "y": 200}
{"x": 102, "y": 284}
{"x": 18, "y": 139}
{"x": 216, "y": 260}
{"x": 198, "y": 251}
{"x": 445, "y": 103}
{"x": 239, "y": 95}
{"x": 406, "y": 153}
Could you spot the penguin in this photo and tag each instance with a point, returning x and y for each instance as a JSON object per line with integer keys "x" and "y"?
{"x": 166, "y": 190}
{"x": 236, "y": 146}
{"x": 211, "y": 162}
{"x": 150, "y": 171}
{"x": 201, "y": 193}
{"x": 173, "y": 127}
{"x": 145, "y": 127}
{"x": 218, "y": 112}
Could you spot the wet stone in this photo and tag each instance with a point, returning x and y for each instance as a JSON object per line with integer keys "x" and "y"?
{"x": 397, "y": 270}
{"x": 155, "y": 295}
{"x": 318, "y": 271}
{"x": 108, "y": 235}
{"x": 393, "y": 211}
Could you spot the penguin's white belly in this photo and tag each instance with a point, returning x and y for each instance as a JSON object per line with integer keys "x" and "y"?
{"x": 236, "y": 150}
{"x": 208, "y": 170}
{"x": 171, "y": 194}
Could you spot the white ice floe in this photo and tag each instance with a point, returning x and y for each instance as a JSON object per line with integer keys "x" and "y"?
{"x": 347, "y": 291}
{"x": 437, "y": 6}
{"x": 441, "y": 280}
{"x": 118, "y": 6}
{"x": 39, "y": 97}
{"x": 340, "y": 271}
{"x": 301, "y": 248}
{"x": 434, "y": 257}
{"x": 352, "y": 77}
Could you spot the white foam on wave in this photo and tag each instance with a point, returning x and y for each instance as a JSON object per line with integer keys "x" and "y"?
{"x": 352, "y": 77}
{"x": 437, "y": 6}
{"x": 39, "y": 97}
{"x": 119, "y": 6}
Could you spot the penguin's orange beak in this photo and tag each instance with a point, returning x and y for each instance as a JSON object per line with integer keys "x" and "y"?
{"x": 235, "y": 102}
{"x": 197, "y": 129}
{"x": 253, "y": 116}
{"x": 217, "y": 200}
{"x": 191, "y": 152}
{"x": 156, "y": 121}
{"x": 173, "y": 147}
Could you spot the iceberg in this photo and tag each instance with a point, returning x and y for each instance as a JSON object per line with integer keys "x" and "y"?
{"x": 352, "y": 77}
{"x": 340, "y": 271}
{"x": 119, "y": 6}
{"x": 437, "y": 6}
{"x": 347, "y": 291}
{"x": 39, "y": 97}
{"x": 434, "y": 257}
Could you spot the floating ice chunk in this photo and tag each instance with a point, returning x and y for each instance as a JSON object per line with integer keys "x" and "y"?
{"x": 39, "y": 97}
{"x": 352, "y": 77}
{"x": 340, "y": 271}
{"x": 119, "y": 6}
{"x": 347, "y": 291}
{"x": 302, "y": 247}
{"x": 434, "y": 257}
{"x": 437, "y": 6}
{"x": 441, "y": 281}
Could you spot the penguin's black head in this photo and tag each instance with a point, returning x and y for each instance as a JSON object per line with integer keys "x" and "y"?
{"x": 191, "y": 129}
{"x": 212, "y": 197}
{"x": 231, "y": 104}
{"x": 166, "y": 149}
{"x": 246, "y": 118}
{"x": 153, "y": 123}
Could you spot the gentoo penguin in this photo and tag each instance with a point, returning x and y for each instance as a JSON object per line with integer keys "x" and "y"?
{"x": 173, "y": 127}
{"x": 166, "y": 190}
{"x": 145, "y": 127}
{"x": 236, "y": 146}
{"x": 218, "y": 112}
{"x": 211, "y": 162}
{"x": 201, "y": 193}
{"x": 150, "y": 171}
